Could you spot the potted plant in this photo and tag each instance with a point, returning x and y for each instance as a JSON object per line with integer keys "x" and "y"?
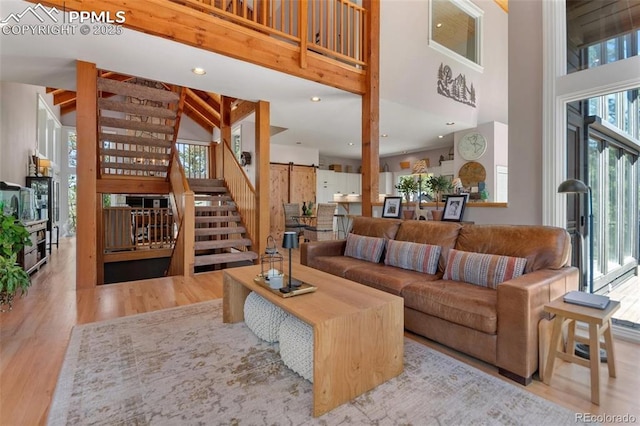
{"x": 407, "y": 186}
{"x": 438, "y": 185}
{"x": 13, "y": 237}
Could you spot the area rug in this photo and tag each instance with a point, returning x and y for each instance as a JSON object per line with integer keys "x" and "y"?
{"x": 183, "y": 366}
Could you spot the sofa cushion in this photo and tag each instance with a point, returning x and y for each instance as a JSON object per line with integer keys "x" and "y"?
{"x": 486, "y": 270}
{"x": 375, "y": 227}
{"x": 414, "y": 256}
{"x": 443, "y": 234}
{"x": 338, "y": 265}
{"x": 365, "y": 248}
{"x": 386, "y": 278}
{"x": 543, "y": 246}
{"x": 464, "y": 304}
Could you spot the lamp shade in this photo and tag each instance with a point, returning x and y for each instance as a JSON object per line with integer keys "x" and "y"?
{"x": 572, "y": 186}
{"x": 290, "y": 240}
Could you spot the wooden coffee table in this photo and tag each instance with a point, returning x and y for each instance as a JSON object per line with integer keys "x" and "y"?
{"x": 358, "y": 330}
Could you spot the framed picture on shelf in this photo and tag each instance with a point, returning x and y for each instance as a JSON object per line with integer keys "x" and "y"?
{"x": 454, "y": 208}
{"x": 392, "y": 207}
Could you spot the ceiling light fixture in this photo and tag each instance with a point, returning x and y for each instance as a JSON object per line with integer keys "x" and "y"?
{"x": 384, "y": 135}
{"x": 198, "y": 71}
{"x": 439, "y": 25}
{"x": 450, "y": 123}
{"x": 440, "y": 136}
{"x": 315, "y": 99}
{"x": 350, "y": 143}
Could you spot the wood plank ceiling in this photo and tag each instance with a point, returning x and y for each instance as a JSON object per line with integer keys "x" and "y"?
{"x": 202, "y": 107}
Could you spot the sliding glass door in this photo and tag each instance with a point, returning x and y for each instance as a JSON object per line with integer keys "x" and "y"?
{"x": 613, "y": 177}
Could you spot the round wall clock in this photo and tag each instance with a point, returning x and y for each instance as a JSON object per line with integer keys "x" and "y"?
{"x": 472, "y": 146}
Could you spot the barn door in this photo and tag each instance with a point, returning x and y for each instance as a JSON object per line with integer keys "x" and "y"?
{"x": 290, "y": 183}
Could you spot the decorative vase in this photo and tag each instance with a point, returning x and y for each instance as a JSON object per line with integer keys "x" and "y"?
{"x": 437, "y": 214}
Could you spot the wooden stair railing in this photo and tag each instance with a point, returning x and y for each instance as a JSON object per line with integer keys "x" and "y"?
{"x": 241, "y": 190}
{"x": 183, "y": 204}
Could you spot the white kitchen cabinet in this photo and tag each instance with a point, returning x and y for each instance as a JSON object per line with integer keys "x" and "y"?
{"x": 326, "y": 185}
{"x": 385, "y": 183}
{"x": 353, "y": 183}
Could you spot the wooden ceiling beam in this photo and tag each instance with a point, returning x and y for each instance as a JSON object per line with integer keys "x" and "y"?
{"x": 211, "y": 98}
{"x": 197, "y": 100}
{"x": 197, "y": 117}
{"x": 185, "y": 25}
{"x": 243, "y": 109}
{"x": 206, "y": 116}
{"x": 64, "y": 97}
{"x": 68, "y": 107}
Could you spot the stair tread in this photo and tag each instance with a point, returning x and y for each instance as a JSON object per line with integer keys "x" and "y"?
{"x": 222, "y": 208}
{"x": 214, "y": 259}
{"x": 220, "y": 231}
{"x": 214, "y": 244}
{"x": 217, "y": 219}
{"x": 136, "y": 90}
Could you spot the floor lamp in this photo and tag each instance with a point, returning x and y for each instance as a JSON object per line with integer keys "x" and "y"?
{"x": 575, "y": 186}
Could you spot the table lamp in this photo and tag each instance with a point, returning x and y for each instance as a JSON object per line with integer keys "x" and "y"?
{"x": 575, "y": 186}
{"x": 290, "y": 241}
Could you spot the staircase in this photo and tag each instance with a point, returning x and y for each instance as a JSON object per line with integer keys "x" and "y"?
{"x": 137, "y": 120}
{"x": 220, "y": 235}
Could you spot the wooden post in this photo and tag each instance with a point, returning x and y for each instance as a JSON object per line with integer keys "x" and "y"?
{"x": 225, "y": 130}
{"x": 263, "y": 183}
{"x": 303, "y": 24}
{"x": 87, "y": 211}
{"x": 371, "y": 109}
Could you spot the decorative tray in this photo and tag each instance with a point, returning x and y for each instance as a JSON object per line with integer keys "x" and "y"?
{"x": 304, "y": 288}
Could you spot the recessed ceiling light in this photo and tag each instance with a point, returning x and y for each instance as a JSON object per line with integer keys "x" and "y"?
{"x": 350, "y": 143}
{"x": 439, "y": 25}
{"x": 450, "y": 123}
{"x": 315, "y": 99}
{"x": 198, "y": 71}
{"x": 384, "y": 135}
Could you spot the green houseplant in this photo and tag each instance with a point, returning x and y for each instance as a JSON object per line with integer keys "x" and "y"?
{"x": 13, "y": 278}
{"x": 407, "y": 186}
{"x": 438, "y": 185}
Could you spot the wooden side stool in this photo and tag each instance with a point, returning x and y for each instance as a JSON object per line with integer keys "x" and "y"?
{"x": 599, "y": 322}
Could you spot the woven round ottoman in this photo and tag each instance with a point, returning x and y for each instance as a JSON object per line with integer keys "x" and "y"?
{"x": 296, "y": 346}
{"x": 263, "y": 317}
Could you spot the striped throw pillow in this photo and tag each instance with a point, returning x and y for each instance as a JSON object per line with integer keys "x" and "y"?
{"x": 365, "y": 248}
{"x": 414, "y": 256}
{"x": 486, "y": 270}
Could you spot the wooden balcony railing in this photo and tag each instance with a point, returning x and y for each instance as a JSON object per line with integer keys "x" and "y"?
{"x": 129, "y": 228}
{"x": 334, "y": 28}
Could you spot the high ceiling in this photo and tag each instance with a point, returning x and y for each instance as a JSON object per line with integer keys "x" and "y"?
{"x": 330, "y": 125}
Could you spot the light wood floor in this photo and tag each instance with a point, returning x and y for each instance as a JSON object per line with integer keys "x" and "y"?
{"x": 34, "y": 337}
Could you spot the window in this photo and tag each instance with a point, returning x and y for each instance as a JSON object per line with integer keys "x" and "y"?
{"x": 194, "y": 157}
{"x": 455, "y": 30}
{"x": 72, "y": 147}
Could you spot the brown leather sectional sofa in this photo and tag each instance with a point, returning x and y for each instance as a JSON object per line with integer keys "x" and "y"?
{"x": 499, "y": 326}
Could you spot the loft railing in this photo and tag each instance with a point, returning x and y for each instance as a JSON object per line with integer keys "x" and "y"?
{"x": 130, "y": 228}
{"x": 334, "y": 28}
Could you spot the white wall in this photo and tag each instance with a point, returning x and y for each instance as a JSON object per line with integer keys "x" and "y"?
{"x": 18, "y": 121}
{"x": 525, "y": 120}
{"x": 294, "y": 154}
